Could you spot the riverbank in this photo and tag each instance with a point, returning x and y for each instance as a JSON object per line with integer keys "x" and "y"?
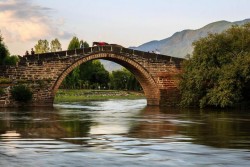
{"x": 64, "y": 95}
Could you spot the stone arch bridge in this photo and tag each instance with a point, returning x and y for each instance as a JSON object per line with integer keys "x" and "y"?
{"x": 43, "y": 73}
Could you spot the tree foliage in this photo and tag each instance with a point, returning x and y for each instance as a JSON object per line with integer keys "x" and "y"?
{"x": 42, "y": 46}
{"x": 90, "y": 75}
{"x": 74, "y": 43}
{"x": 5, "y": 58}
{"x": 11, "y": 60}
{"x": 218, "y": 72}
{"x": 72, "y": 80}
{"x": 4, "y": 52}
{"x": 83, "y": 44}
{"x": 94, "y": 74}
{"x": 123, "y": 80}
{"x": 55, "y": 45}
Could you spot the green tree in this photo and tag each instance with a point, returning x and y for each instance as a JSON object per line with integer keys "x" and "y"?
{"x": 5, "y": 58}
{"x": 42, "y": 46}
{"x": 84, "y": 44}
{"x": 11, "y": 60}
{"x": 72, "y": 79}
{"x": 4, "y": 52}
{"x": 119, "y": 79}
{"x": 55, "y": 45}
{"x": 91, "y": 74}
{"x": 80, "y": 75}
{"x": 123, "y": 79}
{"x": 95, "y": 74}
{"x": 218, "y": 72}
{"x": 74, "y": 43}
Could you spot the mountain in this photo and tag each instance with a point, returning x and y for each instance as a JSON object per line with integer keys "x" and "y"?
{"x": 180, "y": 43}
{"x": 110, "y": 66}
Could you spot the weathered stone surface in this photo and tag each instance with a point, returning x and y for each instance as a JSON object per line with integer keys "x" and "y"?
{"x": 157, "y": 74}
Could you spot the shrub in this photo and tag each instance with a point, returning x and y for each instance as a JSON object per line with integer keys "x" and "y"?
{"x": 41, "y": 83}
{"x": 21, "y": 93}
{"x": 4, "y": 80}
{"x": 2, "y": 92}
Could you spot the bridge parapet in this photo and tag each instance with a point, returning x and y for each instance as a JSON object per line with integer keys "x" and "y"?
{"x": 112, "y": 49}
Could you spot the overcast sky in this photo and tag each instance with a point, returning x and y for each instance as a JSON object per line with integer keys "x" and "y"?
{"x": 125, "y": 22}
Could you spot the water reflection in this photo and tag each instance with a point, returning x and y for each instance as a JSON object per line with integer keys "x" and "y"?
{"x": 115, "y": 131}
{"x": 225, "y": 129}
{"x": 152, "y": 123}
{"x": 43, "y": 123}
{"x": 212, "y": 128}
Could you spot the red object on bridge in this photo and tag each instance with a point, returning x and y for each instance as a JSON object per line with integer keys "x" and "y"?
{"x": 100, "y": 43}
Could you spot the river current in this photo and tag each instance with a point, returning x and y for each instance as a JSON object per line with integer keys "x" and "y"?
{"x": 123, "y": 133}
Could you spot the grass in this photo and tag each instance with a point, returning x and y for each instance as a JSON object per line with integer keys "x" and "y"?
{"x": 84, "y": 95}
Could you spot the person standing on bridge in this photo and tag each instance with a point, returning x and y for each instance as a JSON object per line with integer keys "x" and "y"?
{"x": 27, "y": 53}
{"x": 157, "y": 51}
{"x": 32, "y": 51}
{"x": 82, "y": 46}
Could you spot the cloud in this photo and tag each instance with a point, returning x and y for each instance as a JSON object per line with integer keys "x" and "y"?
{"x": 22, "y": 20}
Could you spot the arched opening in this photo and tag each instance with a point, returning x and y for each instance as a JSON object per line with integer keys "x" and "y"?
{"x": 146, "y": 81}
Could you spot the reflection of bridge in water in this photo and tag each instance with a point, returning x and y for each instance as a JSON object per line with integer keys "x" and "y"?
{"x": 217, "y": 129}
{"x": 45, "y": 72}
{"x": 49, "y": 123}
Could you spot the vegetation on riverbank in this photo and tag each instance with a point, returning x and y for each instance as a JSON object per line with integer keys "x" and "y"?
{"x": 5, "y": 57}
{"x": 218, "y": 72}
{"x": 64, "y": 95}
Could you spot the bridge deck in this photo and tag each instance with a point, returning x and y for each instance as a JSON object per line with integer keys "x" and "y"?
{"x": 112, "y": 49}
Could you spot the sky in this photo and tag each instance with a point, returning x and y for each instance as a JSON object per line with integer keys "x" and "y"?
{"x": 124, "y": 22}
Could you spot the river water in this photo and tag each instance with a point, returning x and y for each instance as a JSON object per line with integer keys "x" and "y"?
{"x": 123, "y": 133}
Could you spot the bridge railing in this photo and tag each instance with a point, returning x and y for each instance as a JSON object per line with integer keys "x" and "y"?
{"x": 128, "y": 51}
{"x": 108, "y": 48}
{"x": 60, "y": 54}
{"x": 71, "y": 52}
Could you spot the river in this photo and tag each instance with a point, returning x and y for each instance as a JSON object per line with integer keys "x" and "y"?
{"x": 123, "y": 133}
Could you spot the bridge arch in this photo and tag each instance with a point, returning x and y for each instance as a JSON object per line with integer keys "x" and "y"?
{"x": 146, "y": 81}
